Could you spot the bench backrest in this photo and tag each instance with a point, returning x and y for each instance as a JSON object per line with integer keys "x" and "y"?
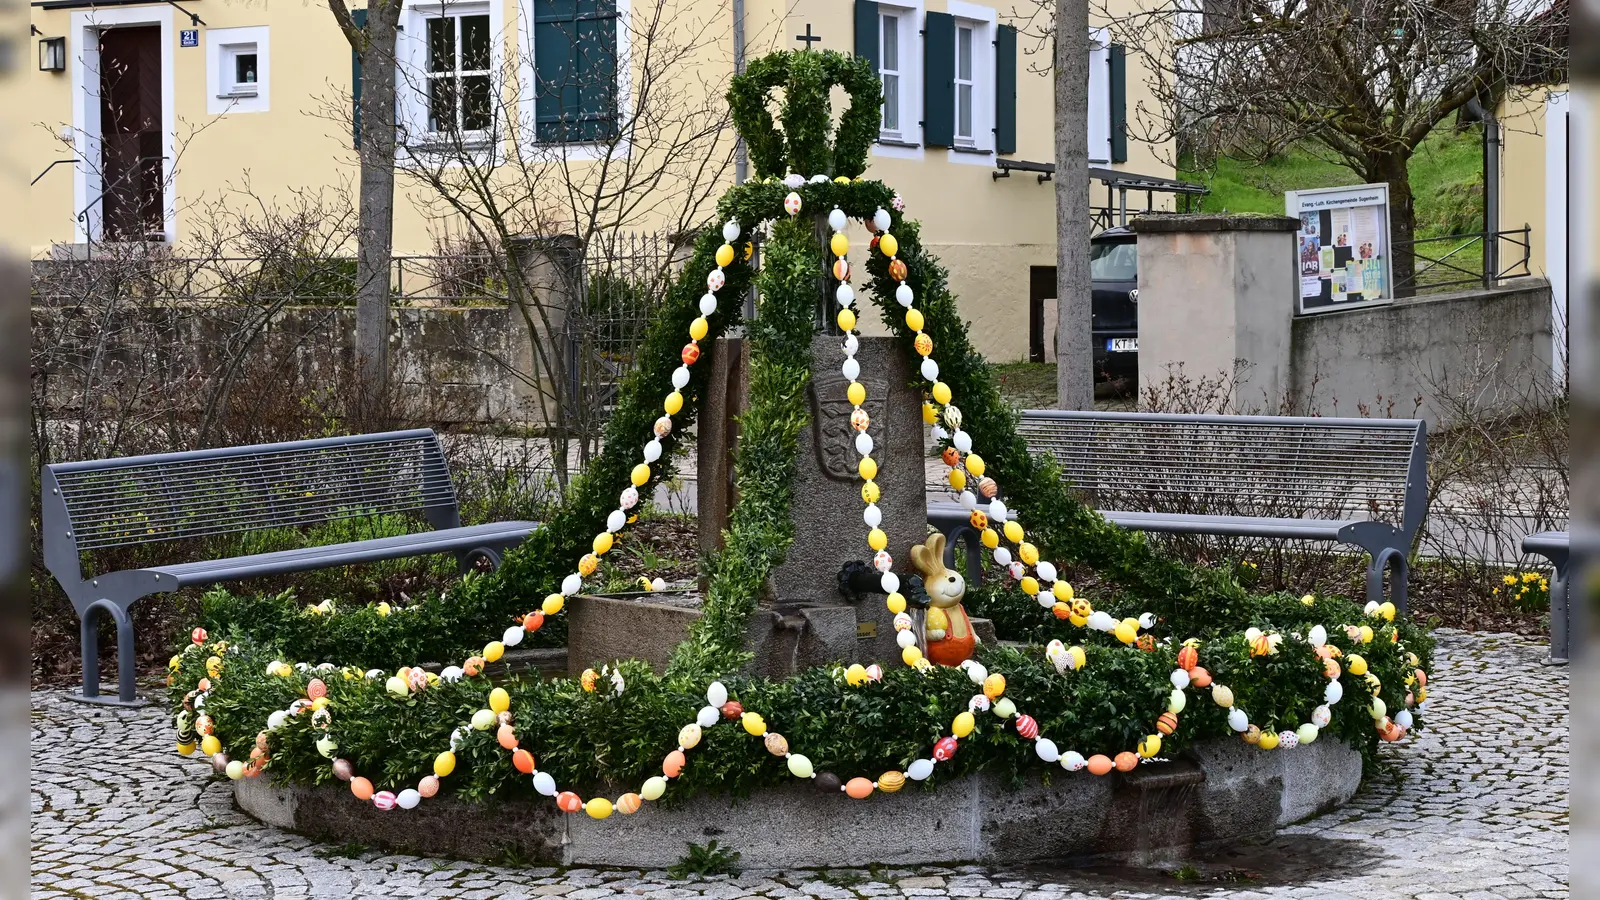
{"x": 1279, "y": 466}
{"x": 98, "y": 504}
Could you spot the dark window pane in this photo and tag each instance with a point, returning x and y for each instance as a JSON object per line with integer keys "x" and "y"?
{"x": 244, "y": 68}
{"x": 575, "y": 59}
{"x": 476, "y": 112}
{"x": 474, "y": 43}
{"x": 441, "y": 45}
{"x": 442, "y": 104}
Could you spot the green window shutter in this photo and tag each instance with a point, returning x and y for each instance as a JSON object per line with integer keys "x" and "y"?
{"x": 575, "y": 70}
{"x": 867, "y": 32}
{"x": 939, "y": 80}
{"x": 1005, "y": 90}
{"x": 360, "y": 17}
{"x": 1119, "y": 103}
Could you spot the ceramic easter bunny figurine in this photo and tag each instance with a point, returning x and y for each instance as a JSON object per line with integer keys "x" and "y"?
{"x": 949, "y": 634}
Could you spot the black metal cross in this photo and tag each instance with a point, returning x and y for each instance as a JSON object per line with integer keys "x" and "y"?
{"x": 808, "y": 37}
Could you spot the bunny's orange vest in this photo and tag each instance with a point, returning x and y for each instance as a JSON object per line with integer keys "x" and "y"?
{"x": 958, "y": 640}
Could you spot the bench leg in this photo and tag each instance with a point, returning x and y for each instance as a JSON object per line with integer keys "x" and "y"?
{"x": 1560, "y": 615}
{"x": 89, "y": 637}
{"x": 1393, "y": 560}
{"x": 468, "y": 558}
{"x": 966, "y": 534}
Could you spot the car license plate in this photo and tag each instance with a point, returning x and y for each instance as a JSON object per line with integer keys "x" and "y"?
{"x": 1122, "y": 345}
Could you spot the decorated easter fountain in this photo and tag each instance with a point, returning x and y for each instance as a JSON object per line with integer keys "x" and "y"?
{"x": 888, "y": 729}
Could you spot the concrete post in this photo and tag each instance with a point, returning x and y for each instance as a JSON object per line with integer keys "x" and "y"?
{"x": 546, "y": 283}
{"x": 1216, "y": 295}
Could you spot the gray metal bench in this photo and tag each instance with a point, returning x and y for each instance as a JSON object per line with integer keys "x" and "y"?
{"x": 100, "y": 504}
{"x": 1556, "y": 547}
{"x": 1354, "y": 481}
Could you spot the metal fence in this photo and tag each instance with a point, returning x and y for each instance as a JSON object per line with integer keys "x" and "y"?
{"x": 625, "y": 278}
{"x": 458, "y": 279}
{"x": 1458, "y": 260}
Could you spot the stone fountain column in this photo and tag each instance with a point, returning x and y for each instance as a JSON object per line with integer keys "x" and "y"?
{"x": 822, "y": 624}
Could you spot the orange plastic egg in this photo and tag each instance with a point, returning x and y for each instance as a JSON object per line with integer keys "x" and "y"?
{"x": 1188, "y": 658}
{"x": 507, "y": 737}
{"x": 428, "y": 786}
{"x": 473, "y": 665}
{"x": 897, "y": 269}
{"x": 361, "y": 787}
{"x": 1168, "y": 723}
{"x": 1330, "y": 668}
{"x": 568, "y": 802}
{"x": 1099, "y": 764}
{"x": 672, "y": 766}
{"x": 523, "y": 760}
{"x": 628, "y": 804}
{"x": 952, "y": 458}
{"x": 1061, "y": 610}
{"x": 1127, "y": 761}
{"x": 533, "y": 621}
{"x": 1199, "y": 677}
{"x": 859, "y": 788}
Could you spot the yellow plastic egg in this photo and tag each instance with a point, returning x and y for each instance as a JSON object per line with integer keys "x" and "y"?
{"x": 1013, "y": 528}
{"x": 911, "y": 655}
{"x": 602, "y": 543}
{"x": 552, "y": 604}
{"x": 846, "y": 320}
{"x": 754, "y": 724}
{"x": 994, "y": 686}
{"x": 640, "y": 474}
{"x": 1063, "y": 591}
{"x": 975, "y": 465}
{"x": 1268, "y": 741}
{"x": 888, "y": 244}
{"x": 914, "y": 322}
{"x": 930, "y": 416}
{"x": 990, "y": 538}
{"x": 493, "y": 651}
{"x": 699, "y": 327}
{"x": 598, "y": 808}
{"x": 1365, "y": 635}
{"x": 673, "y": 404}
{"x": 210, "y": 746}
{"x": 587, "y": 564}
{"x": 897, "y": 603}
{"x": 1387, "y": 611}
{"x": 839, "y": 244}
{"x": 499, "y": 700}
{"x": 1029, "y": 585}
{"x": 867, "y": 468}
{"x": 1150, "y": 746}
{"x": 869, "y": 492}
{"x": 725, "y": 255}
{"x": 856, "y": 675}
{"x": 876, "y": 539}
{"x": 1355, "y": 665}
{"x": 963, "y": 724}
{"x": 1028, "y": 553}
{"x": 941, "y": 391}
{"x": 958, "y": 479}
{"x": 1125, "y": 633}
{"x": 444, "y": 764}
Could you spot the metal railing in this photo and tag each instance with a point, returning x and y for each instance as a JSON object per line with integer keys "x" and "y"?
{"x": 1457, "y": 260}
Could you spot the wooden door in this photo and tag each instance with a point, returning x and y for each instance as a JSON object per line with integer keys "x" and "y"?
{"x": 132, "y": 170}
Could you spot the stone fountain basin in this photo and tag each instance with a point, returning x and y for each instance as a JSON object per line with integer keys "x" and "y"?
{"x": 1220, "y": 790}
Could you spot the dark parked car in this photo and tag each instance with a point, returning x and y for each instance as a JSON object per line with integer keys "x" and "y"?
{"x": 1114, "y": 277}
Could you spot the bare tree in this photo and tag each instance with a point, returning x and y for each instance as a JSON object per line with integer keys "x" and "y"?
{"x": 555, "y": 163}
{"x": 1363, "y": 82}
{"x": 374, "y": 43}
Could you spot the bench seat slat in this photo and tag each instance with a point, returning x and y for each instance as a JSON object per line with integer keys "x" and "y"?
{"x": 447, "y": 540}
{"x": 1243, "y": 526}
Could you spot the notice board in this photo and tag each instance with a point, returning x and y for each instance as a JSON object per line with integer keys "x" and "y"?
{"x": 1342, "y": 248}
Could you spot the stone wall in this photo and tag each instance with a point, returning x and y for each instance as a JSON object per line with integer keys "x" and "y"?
{"x": 457, "y": 360}
{"x": 1491, "y": 348}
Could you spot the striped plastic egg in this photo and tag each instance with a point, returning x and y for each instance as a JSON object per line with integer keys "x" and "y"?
{"x": 384, "y": 800}
{"x": 628, "y": 804}
{"x": 1027, "y": 727}
{"x": 568, "y": 802}
{"x": 889, "y": 782}
{"x": 1167, "y": 723}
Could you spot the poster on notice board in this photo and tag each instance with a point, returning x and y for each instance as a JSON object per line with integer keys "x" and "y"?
{"x": 1342, "y": 247}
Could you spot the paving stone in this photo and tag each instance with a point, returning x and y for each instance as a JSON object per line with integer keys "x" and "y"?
{"x": 1472, "y": 807}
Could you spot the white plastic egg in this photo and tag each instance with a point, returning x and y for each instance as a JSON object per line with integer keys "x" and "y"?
{"x": 837, "y": 219}
{"x": 730, "y": 231}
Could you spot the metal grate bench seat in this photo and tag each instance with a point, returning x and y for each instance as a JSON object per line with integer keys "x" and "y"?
{"x": 1355, "y": 481}
{"x": 102, "y": 504}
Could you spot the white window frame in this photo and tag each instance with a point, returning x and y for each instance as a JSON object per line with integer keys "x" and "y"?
{"x": 416, "y": 140}
{"x": 907, "y": 142}
{"x": 1099, "y": 124}
{"x": 223, "y": 47}
{"x": 984, "y": 22}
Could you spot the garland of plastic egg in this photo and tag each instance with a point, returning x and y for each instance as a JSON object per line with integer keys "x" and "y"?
{"x": 1060, "y": 598}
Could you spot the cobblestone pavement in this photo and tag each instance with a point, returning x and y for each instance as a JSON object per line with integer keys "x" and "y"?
{"x": 1475, "y": 807}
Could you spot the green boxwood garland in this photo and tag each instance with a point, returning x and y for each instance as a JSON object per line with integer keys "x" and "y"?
{"x": 587, "y": 739}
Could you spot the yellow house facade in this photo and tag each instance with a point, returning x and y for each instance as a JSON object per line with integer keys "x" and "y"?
{"x": 1534, "y": 186}
{"x": 143, "y": 113}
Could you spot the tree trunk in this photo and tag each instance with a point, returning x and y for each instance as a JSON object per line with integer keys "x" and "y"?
{"x": 1395, "y": 170}
{"x": 1074, "y": 358}
{"x": 375, "y": 242}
